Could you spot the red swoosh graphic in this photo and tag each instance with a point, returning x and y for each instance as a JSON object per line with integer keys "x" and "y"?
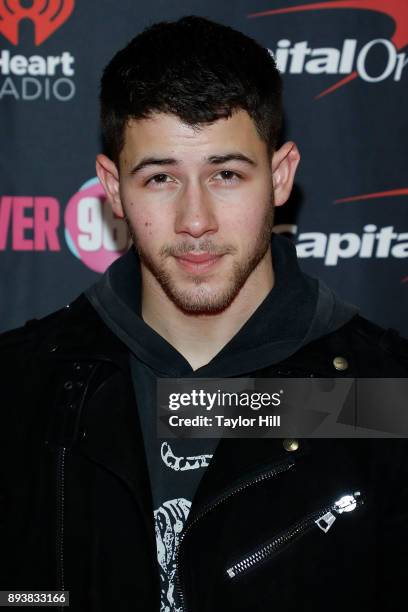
{"x": 396, "y": 9}
{"x": 379, "y": 194}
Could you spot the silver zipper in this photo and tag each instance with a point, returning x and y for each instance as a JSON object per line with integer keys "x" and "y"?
{"x": 61, "y": 493}
{"x": 60, "y": 518}
{"x": 346, "y": 503}
{"x": 284, "y": 466}
{"x": 323, "y": 518}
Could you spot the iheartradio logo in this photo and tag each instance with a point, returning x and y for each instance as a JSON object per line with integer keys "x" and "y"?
{"x": 35, "y": 77}
{"x": 46, "y": 15}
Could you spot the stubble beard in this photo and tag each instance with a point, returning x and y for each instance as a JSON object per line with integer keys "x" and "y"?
{"x": 200, "y": 301}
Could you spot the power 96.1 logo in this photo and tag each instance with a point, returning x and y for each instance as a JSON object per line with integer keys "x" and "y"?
{"x": 92, "y": 232}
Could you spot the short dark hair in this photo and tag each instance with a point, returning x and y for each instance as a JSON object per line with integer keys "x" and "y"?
{"x": 193, "y": 68}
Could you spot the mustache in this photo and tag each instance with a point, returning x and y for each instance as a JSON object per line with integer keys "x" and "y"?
{"x": 204, "y": 246}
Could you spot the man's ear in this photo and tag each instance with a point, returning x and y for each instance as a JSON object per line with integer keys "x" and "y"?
{"x": 109, "y": 176}
{"x": 284, "y": 164}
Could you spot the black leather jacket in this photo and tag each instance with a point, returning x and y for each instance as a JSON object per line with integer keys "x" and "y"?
{"x": 76, "y": 511}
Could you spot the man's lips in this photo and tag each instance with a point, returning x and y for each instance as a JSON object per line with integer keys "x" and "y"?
{"x": 198, "y": 257}
{"x": 197, "y": 262}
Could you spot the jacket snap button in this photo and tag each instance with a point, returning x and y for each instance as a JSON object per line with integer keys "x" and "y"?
{"x": 291, "y": 445}
{"x": 340, "y": 363}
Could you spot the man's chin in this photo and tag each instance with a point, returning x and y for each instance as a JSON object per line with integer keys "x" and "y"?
{"x": 209, "y": 292}
{"x": 201, "y": 301}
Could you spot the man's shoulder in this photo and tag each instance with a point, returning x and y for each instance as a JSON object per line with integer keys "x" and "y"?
{"x": 365, "y": 335}
{"x": 76, "y": 325}
{"x": 358, "y": 348}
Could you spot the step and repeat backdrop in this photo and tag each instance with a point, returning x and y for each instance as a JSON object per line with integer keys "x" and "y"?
{"x": 345, "y": 70}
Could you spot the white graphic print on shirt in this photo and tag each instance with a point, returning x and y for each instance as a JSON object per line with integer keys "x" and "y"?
{"x": 182, "y": 463}
{"x": 170, "y": 519}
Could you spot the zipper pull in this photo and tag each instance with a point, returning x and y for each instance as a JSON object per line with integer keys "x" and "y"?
{"x": 347, "y": 503}
{"x": 325, "y": 521}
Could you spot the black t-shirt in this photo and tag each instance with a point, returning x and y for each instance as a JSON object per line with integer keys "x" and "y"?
{"x": 175, "y": 470}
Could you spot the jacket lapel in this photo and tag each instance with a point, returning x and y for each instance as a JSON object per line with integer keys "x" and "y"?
{"x": 237, "y": 461}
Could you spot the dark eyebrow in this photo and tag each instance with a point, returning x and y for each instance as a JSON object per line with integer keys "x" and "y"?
{"x": 153, "y": 161}
{"x": 170, "y": 161}
{"x": 222, "y": 159}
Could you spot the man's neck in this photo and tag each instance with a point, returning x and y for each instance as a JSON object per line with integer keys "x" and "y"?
{"x": 200, "y": 337}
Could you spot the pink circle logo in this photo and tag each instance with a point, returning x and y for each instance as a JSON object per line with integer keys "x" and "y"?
{"x": 92, "y": 232}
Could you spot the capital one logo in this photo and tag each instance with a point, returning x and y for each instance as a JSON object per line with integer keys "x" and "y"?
{"x": 301, "y": 57}
{"x": 373, "y": 243}
{"x": 46, "y": 15}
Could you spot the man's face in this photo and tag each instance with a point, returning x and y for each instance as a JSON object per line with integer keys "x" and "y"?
{"x": 199, "y": 206}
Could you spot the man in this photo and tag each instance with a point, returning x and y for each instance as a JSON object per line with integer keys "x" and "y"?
{"x": 96, "y": 504}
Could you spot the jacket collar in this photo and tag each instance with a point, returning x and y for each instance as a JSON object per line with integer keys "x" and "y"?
{"x": 110, "y": 432}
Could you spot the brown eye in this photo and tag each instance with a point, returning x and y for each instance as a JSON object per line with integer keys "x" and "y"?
{"x": 227, "y": 176}
{"x": 159, "y": 178}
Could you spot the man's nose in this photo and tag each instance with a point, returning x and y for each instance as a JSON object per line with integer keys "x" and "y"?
{"x": 195, "y": 212}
